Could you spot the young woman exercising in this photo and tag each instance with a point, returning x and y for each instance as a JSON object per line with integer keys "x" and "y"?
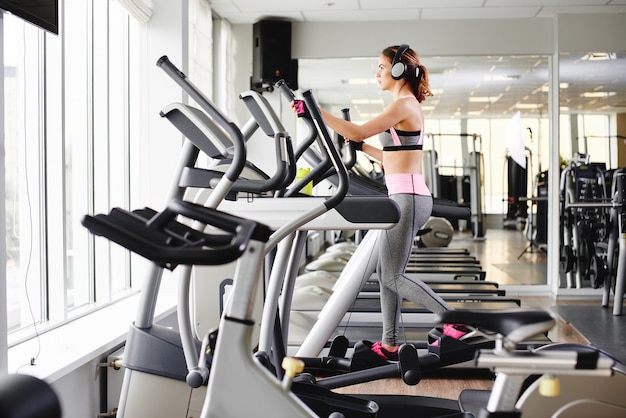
{"x": 400, "y": 127}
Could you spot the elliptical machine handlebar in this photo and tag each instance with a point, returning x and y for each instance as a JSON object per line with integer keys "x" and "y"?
{"x": 331, "y": 150}
{"x": 285, "y": 90}
{"x": 228, "y": 126}
{"x": 303, "y": 114}
{"x": 351, "y": 158}
{"x": 308, "y": 111}
{"x": 159, "y": 237}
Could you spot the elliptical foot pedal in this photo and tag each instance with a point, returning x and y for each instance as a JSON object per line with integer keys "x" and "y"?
{"x": 364, "y": 358}
{"x": 339, "y": 346}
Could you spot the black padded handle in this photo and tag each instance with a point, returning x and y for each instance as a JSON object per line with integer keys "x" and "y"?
{"x": 160, "y": 238}
{"x": 351, "y": 159}
{"x": 285, "y": 90}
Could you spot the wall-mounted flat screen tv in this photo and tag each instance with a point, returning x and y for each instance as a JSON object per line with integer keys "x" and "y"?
{"x": 41, "y": 13}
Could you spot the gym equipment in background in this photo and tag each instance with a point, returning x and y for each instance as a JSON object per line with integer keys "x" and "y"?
{"x": 584, "y": 219}
{"x": 465, "y": 184}
{"x": 517, "y": 193}
{"x": 438, "y": 232}
{"x": 615, "y": 279}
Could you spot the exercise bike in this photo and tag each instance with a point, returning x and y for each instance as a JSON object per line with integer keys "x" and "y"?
{"x": 559, "y": 380}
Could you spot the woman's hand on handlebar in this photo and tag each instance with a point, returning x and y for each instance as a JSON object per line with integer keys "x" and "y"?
{"x": 299, "y": 108}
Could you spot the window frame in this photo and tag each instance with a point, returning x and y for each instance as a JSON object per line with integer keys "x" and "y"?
{"x": 108, "y": 49}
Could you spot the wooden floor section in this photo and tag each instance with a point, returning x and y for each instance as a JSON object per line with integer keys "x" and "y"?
{"x": 498, "y": 248}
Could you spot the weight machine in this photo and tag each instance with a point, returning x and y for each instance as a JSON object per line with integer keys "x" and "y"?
{"x": 591, "y": 213}
{"x": 456, "y": 189}
{"x": 584, "y": 218}
{"x": 535, "y": 229}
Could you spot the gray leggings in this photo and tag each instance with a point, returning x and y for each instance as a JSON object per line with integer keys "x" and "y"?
{"x": 394, "y": 251}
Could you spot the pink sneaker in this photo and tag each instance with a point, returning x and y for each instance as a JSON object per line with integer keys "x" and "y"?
{"x": 378, "y": 348}
{"x": 455, "y": 331}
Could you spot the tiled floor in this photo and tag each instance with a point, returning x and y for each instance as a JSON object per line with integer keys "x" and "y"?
{"x": 506, "y": 256}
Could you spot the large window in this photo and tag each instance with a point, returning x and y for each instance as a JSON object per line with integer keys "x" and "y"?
{"x": 24, "y": 171}
{"x": 66, "y": 141}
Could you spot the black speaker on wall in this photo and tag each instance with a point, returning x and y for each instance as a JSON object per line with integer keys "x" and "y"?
{"x": 271, "y": 56}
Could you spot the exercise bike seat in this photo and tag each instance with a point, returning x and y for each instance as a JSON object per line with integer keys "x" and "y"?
{"x": 515, "y": 325}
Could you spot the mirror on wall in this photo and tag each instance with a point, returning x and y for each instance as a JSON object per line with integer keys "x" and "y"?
{"x": 592, "y": 97}
{"x": 475, "y": 100}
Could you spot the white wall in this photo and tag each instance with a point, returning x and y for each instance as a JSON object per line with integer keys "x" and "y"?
{"x": 78, "y": 391}
{"x": 156, "y": 143}
{"x": 604, "y": 33}
{"x": 428, "y": 37}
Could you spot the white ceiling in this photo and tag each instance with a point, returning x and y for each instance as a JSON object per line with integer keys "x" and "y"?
{"x": 249, "y": 11}
{"x": 499, "y": 84}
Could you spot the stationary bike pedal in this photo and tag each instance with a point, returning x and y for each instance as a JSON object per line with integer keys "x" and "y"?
{"x": 409, "y": 362}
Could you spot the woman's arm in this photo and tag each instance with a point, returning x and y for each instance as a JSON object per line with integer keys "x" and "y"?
{"x": 396, "y": 112}
{"x": 372, "y": 151}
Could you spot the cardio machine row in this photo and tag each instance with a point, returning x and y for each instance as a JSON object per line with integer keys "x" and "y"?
{"x": 208, "y": 374}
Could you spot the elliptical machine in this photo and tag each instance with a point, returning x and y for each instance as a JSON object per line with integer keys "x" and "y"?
{"x": 159, "y": 361}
